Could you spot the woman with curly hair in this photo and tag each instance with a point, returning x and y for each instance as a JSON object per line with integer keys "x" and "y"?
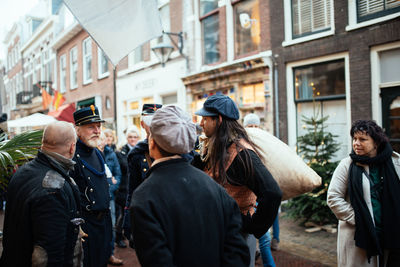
{"x": 364, "y": 195}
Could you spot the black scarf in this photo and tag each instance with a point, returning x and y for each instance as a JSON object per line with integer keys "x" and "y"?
{"x": 365, "y": 234}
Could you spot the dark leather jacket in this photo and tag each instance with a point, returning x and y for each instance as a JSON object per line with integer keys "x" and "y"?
{"x": 43, "y": 202}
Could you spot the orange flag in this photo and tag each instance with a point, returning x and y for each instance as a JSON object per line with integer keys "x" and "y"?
{"x": 46, "y": 97}
{"x": 58, "y": 100}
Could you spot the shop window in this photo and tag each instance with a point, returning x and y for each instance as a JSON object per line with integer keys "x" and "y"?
{"x": 87, "y": 60}
{"x": 310, "y": 16}
{"x": 320, "y": 81}
{"x": 247, "y": 27}
{"x": 209, "y": 18}
{"x": 148, "y": 100}
{"x": 134, "y": 105}
{"x": 253, "y": 94}
{"x": 63, "y": 76}
{"x": 73, "y": 57}
{"x": 370, "y": 9}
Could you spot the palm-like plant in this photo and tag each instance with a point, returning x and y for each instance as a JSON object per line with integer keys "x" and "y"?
{"x": 17, "y": 151}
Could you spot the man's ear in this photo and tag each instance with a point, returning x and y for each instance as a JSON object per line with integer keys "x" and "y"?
{"x": 151, "y": 143}
{"x": 72, "y": 148}
{"x": 220, "y": 119}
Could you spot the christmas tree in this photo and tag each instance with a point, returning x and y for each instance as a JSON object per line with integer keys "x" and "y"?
{"x": 317, "y": 147}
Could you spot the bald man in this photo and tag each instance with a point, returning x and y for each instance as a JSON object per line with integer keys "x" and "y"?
{"x": 41, "y": 223}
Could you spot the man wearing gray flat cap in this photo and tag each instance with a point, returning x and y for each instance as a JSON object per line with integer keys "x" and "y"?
{"x": 180, "y": 216}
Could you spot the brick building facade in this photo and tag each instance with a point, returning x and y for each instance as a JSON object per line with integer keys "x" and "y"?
{"x": 336, "y": 53}
{"x": 81, "y": 78}
{"x": 232, "y": 55}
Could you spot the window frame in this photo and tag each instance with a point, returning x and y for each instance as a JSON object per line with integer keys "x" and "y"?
{"x": 290, "y": 39}
{"x": 100, "y": 58}
{"x": 234, "y": 4}
{"x": 73, "y": 85}
{"x": 318, "y": 98}
{"x": 353, "y": 24}
{"x": 84, "y": 61}
{"x": 209, "y": 14}
{"x": 63, "y": 74}
{"x": 291, "y": 105}
{"x": 375, "y": 15}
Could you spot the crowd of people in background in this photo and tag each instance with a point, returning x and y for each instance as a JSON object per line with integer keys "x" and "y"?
{"x": 185, "y": 194}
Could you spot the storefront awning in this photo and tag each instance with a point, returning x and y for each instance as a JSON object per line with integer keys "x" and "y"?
{"x": 36, "y": 119}
{"x": 64, "y": 113}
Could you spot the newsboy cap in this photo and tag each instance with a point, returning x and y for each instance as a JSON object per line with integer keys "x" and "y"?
{"x": 150, "y": 109}
{"x": 87, "y": 115}
{"x": 219, "y": 104}
{"x": 173, "y": 130}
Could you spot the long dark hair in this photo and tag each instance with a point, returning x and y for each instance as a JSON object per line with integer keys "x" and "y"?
{"x": 229, "y": 132}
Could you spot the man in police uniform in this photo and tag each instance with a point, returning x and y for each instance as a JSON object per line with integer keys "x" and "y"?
{"x": 42, "y": 216}
{"x": 91, "y": 179}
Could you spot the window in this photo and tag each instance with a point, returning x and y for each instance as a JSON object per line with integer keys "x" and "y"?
{"x": 326, "y": 80}
{"x": 310, "y": 16}
{"x": 73, "y": 65}
{"x": 63, "y": 76}
{"x": 247, "y": 27}
{"x": 87, "y": 60}
{"x": 138, "y": 54}
{"x": 369, "y": 9}
{"x": 389, "y": 61}
{"x": 169, "y": 99}
{"x": 102, "y": 64}
{"x": 320, "y": 81}
{"x": 210, "y": 30}
{"x": 163, "y": 7}
{"x": 253, "y": 94}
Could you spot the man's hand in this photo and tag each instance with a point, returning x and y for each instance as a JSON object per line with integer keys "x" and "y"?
{"x": 82, "y": 234}
{"x": 113, "y": 180}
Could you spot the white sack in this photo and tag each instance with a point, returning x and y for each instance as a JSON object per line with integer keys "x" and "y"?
{"x": 288, "y": 169}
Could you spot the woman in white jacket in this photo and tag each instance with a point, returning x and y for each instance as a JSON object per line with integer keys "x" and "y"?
{"x": 364, "y": 194}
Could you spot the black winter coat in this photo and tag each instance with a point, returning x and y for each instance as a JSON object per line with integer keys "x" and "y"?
{"x": 122, "y": 192}
{"x": 181, "y": 217}
{"x": 42, "y": 201}
{"x": 137, "y": 167}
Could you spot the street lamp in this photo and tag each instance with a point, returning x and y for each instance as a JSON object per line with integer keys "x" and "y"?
{"x": 163, "y": 51}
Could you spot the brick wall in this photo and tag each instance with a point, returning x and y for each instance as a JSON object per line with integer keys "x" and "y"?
{"x": 356, "y": 42}
{"x": 98, "y": 87}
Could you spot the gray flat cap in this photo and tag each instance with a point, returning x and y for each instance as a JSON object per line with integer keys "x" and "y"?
{"x": 173, "y": 130}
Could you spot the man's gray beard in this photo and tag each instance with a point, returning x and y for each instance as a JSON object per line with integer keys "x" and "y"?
{"x": 93, "y": 143}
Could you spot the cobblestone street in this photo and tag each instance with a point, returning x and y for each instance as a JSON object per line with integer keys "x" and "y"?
{"x": 282, "y": 259}
{"x": 291, "y": 253}
{"x": 315, "y": 250}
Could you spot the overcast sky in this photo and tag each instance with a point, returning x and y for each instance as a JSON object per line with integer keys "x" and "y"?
{"x": 10, "y": 11}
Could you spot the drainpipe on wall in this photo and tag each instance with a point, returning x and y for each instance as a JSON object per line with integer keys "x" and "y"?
{"x": 276, "y": 90}
{"x": 115, "y": 100}
{"x": 273, "y": 65}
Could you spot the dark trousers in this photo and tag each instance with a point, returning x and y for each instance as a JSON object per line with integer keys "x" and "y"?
{"x": 119, "y": 214}
{"x": 97, "y": 246}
